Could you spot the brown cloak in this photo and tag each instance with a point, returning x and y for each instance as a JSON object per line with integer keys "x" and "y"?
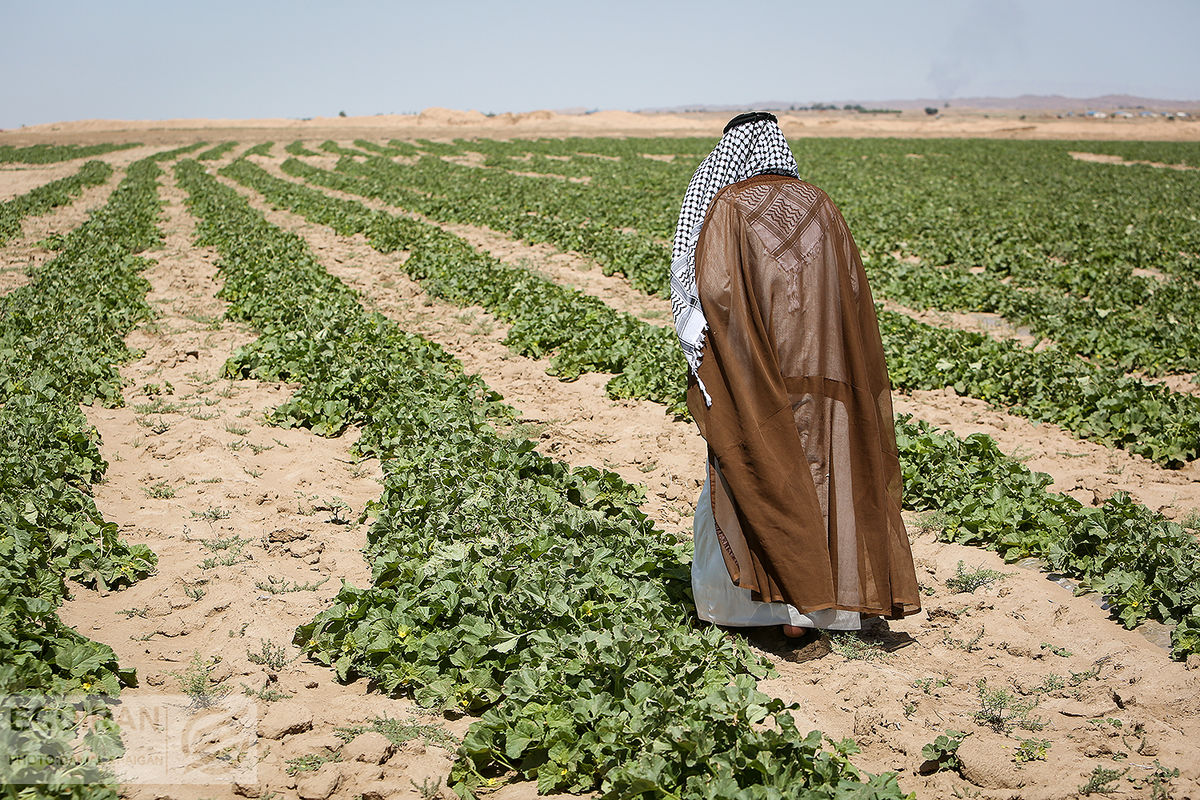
{"x": 794, "y": 364}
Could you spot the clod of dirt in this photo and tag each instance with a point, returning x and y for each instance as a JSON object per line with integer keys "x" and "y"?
{"x": 985, "y": 763}
{"x": 246, "y": 789}
{"x": 285, "y": 535}
{"x": 321, "y": 783}
{"x": 370, "y": 747}
{"x": 283, "y": 718}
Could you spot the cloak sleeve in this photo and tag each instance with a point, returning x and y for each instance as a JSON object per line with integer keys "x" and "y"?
{"x": 806, "y": 488}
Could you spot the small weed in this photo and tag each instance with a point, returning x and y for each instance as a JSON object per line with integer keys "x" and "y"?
{"x": 267, "y": 694}
{"x": 194, "y": 591}
{"x": 157, "y": 406}
{"x": 235, "y": 430}
{"x": 1192, "y": 520}
{"x": 1160, "y": 781}
{"x": 203, "y": 415}
{"x": 159, "y": 491}
{"x": 230, "y": 549}
{"x": 211, "y": 514}
{"x": 253, "y": 473}
{"x": 933, "y": 522}
{"x": 259, "y": 449}
{"x": 310, "y": 763}
{"x": 483, "y": 327}
{"x": 428, "y": 791}
{"x": 965, "y": 580}
{"x": 226, "y": 560}
{"x": 281, "y": 586}
{"x": 969, "y": 645}
{"x": 156, "y": 426}
{"x": 240, "y": 631}
{"x": 1102, "y": 780}
{"x": 1031, "y": 750}
{"x": 339, "y": 511}
{"x": 237, "y": 445}
{"x": 195, "y": 679}
{"x": 1051, "y": 683}
{"x": 853, "y": 647}
{"x": 1001, "y": 711}
{"x": 233, "y": 542}
{"x": 401, "y": 731}
{"x": 269, "y": 655}
{"x": 210, "y": 322}
{"x": 927, "y": 685}
{"x": 130, "y": 613}
{"x": 1061, "y": 652}
{"x": 1079, "y": 677}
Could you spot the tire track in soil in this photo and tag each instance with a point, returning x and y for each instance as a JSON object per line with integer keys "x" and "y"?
{"x": 191, "y": 480}
{"x": 1088, "y": 471}
{"x": 874, "y": 701}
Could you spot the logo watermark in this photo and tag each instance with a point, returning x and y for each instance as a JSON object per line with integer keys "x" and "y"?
{"x": 144, "y": 739}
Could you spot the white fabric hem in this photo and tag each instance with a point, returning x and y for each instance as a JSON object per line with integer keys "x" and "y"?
{"x": 720, "y": 602}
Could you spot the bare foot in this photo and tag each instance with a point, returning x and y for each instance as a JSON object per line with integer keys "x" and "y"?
{"x": 794, "y": 631}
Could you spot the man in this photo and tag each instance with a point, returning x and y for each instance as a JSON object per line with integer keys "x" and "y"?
{"x": 799, "y": 523}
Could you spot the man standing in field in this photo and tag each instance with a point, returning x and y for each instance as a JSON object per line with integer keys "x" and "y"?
{"x": 799, "y": 522}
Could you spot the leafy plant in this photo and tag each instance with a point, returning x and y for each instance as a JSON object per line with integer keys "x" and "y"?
{"x": 1031, "y": 750}
{"x": 942, "y": 753}
{"x": 1101, "y": 781}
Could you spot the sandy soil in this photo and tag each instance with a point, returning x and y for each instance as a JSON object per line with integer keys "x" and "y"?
{"x": 1102, "y": 158}
{"x": 1021, "y": 633}
{"x": 440, "y": 123}
{"x": 232, "y": 505}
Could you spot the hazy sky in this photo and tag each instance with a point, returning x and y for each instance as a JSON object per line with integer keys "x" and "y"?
{"x": 159, "y": 59}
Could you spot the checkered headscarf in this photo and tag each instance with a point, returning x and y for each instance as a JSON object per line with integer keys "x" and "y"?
{"x": 749, "y": 149}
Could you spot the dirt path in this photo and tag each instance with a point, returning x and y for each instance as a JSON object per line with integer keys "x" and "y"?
{"x": 1102, "y": 158}
{"x": 1022, "y": 632}
{"x": 255, "y": 527}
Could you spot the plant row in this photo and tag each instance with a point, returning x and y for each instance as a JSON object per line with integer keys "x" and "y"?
{"x": 61, "y": 343}
{"x": 1091, "y": 301}
{"x": 1148, "y": 334}
{"x": 50, "y": 195}
{"x": 1093, "y": 402}
{"x": 216, "y": 153}
{"x": 1145, "y": 564}
{"x": 51, "y": 153}
{"x": 504, "y": 583}
{"x": 579, "y": 331}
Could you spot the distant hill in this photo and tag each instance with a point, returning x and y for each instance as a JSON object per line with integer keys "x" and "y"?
{"x": 1025, "y": 102}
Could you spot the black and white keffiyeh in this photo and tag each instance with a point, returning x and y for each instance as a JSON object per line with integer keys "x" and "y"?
{"x": 749, "y": 149}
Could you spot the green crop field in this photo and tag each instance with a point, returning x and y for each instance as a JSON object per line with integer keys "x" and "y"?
{"x": 389, "y": 437}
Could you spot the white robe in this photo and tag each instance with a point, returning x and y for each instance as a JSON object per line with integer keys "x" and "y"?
{"x": 719, "y": 601}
